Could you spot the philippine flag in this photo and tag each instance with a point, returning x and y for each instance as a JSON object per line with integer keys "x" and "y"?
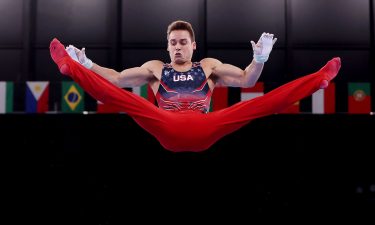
{"x": 37, "y": 93}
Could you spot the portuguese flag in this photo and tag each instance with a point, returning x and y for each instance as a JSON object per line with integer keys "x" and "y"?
{"x": 359, "y": 99}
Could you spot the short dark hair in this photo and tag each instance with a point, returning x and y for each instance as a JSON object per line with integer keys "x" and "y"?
{"x": 181, "y": 25}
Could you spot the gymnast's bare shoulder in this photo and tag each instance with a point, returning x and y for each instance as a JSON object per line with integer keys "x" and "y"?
{"x": 136, "y": 76}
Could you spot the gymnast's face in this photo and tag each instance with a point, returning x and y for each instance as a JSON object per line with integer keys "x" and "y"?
{"x": 180, "y": 46}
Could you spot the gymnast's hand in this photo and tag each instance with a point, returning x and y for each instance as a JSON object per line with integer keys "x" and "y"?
{"x": 79, "y": 56}
{"x": 263, "y": 47}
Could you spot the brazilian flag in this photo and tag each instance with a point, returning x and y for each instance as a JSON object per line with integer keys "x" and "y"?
{"x": 72, "y": 97}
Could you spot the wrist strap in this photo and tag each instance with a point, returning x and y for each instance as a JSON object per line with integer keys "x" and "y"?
{"x": 88, "y": 63}
{"x": 260, "y": 58}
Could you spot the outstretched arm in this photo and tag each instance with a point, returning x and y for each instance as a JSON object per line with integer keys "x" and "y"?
{"x": 131, "y": 77}
{"x": 229, "y": 75}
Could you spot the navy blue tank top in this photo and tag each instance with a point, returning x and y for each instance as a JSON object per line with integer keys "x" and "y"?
{"x": 184, "y": 91}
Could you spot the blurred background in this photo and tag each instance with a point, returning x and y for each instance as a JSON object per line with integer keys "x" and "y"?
{"x": 124, "y": 33}
{"x": 104, "y": 169}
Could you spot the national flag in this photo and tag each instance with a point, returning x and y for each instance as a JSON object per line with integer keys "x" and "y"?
{"x": 6, "y": 97}
{"x": 359, "y": 98}
{"x": 37, "y": 94}
{"x": 107, "y": 108}
{"x": 293, "y": 109}
{"x": 72, "y": 97}
{"x": 253, "y": 92}
{"x": 323, "y": 100}
{"x": 219, "y": 99}
{"x": 145, "y": 91}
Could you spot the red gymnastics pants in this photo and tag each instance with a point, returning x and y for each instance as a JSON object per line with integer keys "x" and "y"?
{"x": 191, "y": 131}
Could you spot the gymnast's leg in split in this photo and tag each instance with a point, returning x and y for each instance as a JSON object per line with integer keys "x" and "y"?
{"x": 232, "y": 118}
{"x": 146, "y": 114}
